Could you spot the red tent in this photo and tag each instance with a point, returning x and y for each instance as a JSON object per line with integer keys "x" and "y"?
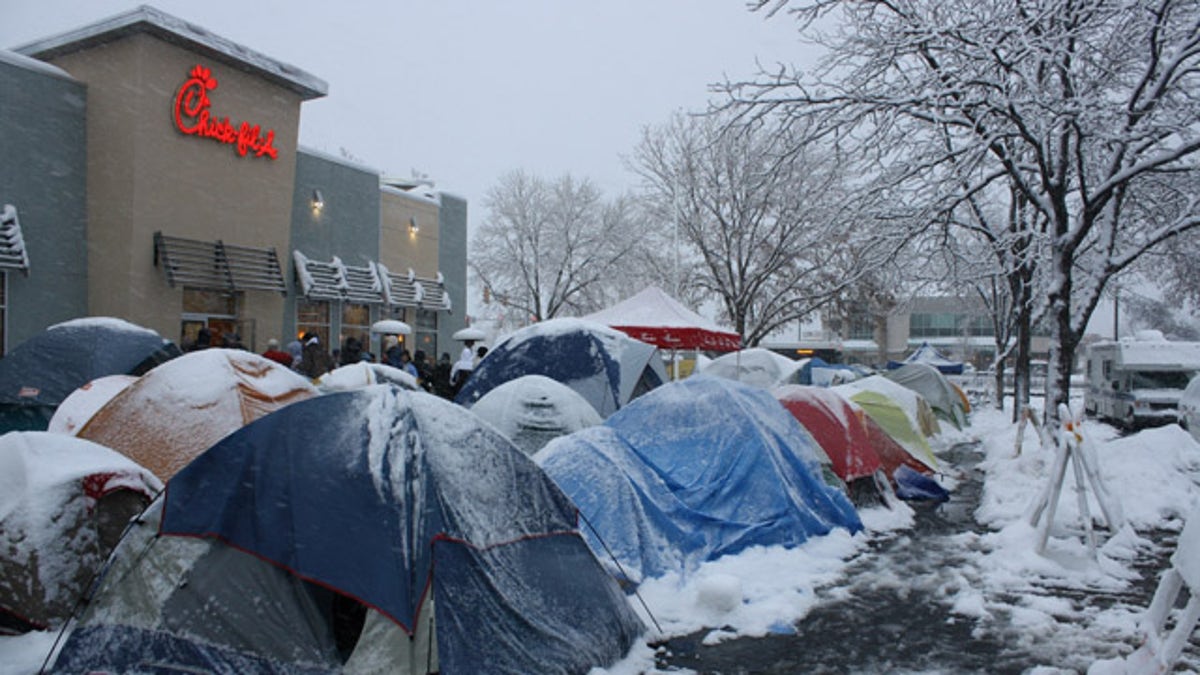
{"x": 656, "y": 318}
{"x": 836, "y": 425}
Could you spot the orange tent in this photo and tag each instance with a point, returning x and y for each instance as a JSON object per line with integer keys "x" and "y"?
{"x": 179, "y": 409}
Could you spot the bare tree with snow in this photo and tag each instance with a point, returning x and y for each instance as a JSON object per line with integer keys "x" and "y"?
{"x": 551, "y": 248}
{"x": 767, "y": 230}
{"x": 1086, "y": 107}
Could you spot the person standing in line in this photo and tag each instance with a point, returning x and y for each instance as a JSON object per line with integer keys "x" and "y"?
{"x": 275, "y": 354}
{"x": 314, "y": 360}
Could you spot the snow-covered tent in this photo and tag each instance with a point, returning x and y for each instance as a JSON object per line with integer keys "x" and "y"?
{"x": 915, "y": 407}
{"x": 605, "y": 366}
{"x": 692, "y": 471}
{"x": 656, "y": 318}
{"x": 932, "y": 385}
{"x": 42, "y": 371}
{"x": 837, "y": 427}
{"x": 929, "y": 354}
{"x": 369, "y": 531}
{"x": 756, "y": 366}
{"x": 364, "y": 374}
{"x": 176, "y": 411}
{"x": 64, "y": 503}
{"x": 78, "y": 408}
{"x": 819, "y": 372}
{"x": 533, "y": 410}
{"x": 893, "y": 417}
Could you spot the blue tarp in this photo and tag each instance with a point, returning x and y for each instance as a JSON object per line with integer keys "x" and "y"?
{"x": 43, "y": 370}
{"x": 384, "y": 496}
{"x": 605, "y": 366}
{"x": 694, "y": 470}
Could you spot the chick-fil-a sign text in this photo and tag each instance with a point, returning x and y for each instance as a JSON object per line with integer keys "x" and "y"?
{"x": 192, "y": 117}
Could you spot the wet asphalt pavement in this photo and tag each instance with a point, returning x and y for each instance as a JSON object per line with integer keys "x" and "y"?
{"x": 869, "y": 624}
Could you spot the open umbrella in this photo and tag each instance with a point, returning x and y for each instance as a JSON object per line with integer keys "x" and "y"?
{"x": 391, "y": 327}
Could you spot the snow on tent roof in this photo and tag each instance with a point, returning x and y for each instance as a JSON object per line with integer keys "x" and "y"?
{"x": 694, "y": 470}
{"x": 398, "y": 500}
{"x": 364, "y": 374}
{"x": 927, "y": 353}
{"x": 40, "y": 372}
{"x": 605, "y": 366}
{"x": 892, "y": 418}
{"x": 176, "y": 411}
{"x": 756, "y": 366}
{"x": 835, "y": 425}
{"x": 919, "y": 412}
{"x": 933, "y": 386}
{"x": 64, "y": 503}
{"x": 532, "y": 410}
{"x": 78, "y": 408}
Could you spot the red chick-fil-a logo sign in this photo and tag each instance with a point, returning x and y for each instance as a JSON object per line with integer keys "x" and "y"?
{"x": 192, "y": 117}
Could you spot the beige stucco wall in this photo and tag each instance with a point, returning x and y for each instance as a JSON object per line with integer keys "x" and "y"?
{"x": 145, "y": 176}
{"x": 399, "y": 249}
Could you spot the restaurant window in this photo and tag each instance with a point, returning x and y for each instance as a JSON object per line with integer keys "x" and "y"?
{"x": 425, "y": 333}
{"x": 356, "y": 323}
{"x": 216, "y": 311}
{"x": 312, "y": 316}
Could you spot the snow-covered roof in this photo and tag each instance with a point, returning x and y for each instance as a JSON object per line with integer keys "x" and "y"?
{"x": 329, "y": 157}
{"x": 423, "y": 195}
{"x": 22, "y": 61}
{"x": 1155, "y": 354}
{"x": 152, "y": 21}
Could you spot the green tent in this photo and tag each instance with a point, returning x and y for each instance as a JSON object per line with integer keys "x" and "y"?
{"x": 891, "y": 417}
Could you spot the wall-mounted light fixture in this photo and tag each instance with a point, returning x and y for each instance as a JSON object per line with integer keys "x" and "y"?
{"x": 318, "y": 200}
{"x": 413, "y": 228}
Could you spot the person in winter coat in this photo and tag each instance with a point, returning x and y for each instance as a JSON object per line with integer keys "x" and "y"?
{"x": 424, "y": 371}
{"x": 441, "y": 377}
{"x": 461, "y": 370}
{"x": 282, "y": 358}
{"x": 296, "y": 351}
{"x": 351, "y": 351}
{"x": 314, "y": 360}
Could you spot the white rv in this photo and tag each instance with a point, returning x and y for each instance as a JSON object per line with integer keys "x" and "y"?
{"x": 1137, "y": 381}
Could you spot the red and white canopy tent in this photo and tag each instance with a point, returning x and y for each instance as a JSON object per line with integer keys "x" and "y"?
{"x": 654, "y": 317}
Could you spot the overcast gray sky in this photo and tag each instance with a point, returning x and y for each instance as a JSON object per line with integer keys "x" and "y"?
{"x": 465, "y": 90}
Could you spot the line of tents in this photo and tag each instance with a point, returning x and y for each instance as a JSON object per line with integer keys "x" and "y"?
{"x": 357, "y": 525}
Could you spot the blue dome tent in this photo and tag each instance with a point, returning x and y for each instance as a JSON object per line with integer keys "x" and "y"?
{"x": 376, "y": 530}
{"x": 605, "y": 366}
{"x": 694, "y": 470}
{"x": 43, "y": 370}
{"x": 929, "y": 354}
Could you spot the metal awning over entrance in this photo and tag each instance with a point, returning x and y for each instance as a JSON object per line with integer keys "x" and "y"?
{"x": 371, "y": 284}
{"x": 218, "y": 266}
{"x": 12, "y": 244}
{"x": 336, "y": 280}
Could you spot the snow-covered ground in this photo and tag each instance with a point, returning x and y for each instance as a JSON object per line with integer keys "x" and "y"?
{"x": 1028, "y": 600}
{"x": 999, "y": 582}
